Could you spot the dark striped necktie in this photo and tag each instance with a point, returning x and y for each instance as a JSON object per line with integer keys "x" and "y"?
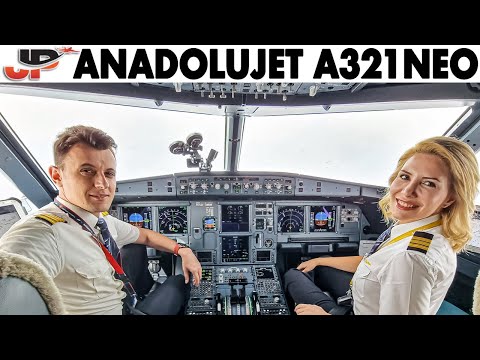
{"x": 381, "y": 239}
{"x": 108, "y": 241}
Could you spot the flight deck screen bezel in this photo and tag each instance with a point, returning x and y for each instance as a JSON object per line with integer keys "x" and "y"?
{"x": 291, "y": 219}
{"x": 322, "y": 224}
{"x": 177, "y": 224}
{"x": 235, "y": 218}
{"x": 134, "y": 215}
{"x": 235, "y": 249}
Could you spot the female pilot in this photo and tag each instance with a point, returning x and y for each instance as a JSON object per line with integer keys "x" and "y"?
{"x": 411, "y": 266}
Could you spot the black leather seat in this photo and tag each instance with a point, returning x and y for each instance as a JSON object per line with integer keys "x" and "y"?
{"x": 150, "y": 292}
{"x": 135, "y": 265}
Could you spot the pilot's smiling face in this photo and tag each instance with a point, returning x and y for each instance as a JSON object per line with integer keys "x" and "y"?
{"x": 87, "y": 178}
{"x": 421, "y": 189}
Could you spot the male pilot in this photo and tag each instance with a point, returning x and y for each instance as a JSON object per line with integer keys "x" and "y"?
{"x": 77, "y": 242}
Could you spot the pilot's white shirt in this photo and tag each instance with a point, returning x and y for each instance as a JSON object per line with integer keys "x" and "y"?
{"x": 398, "y": 281}
{"x": 72, "y": 257}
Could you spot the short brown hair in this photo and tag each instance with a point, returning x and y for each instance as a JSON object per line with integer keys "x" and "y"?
{"x": 78, "y": 134}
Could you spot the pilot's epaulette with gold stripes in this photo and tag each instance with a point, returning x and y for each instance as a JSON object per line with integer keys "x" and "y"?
{"x": 420, "y": 241}
{"x": 105, "y": 213}
{"x": 49, "y": 218}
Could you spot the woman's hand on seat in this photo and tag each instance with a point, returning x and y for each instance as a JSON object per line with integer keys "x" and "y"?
{"x": 307, "y": 266}
{"x": 307, "y": 309}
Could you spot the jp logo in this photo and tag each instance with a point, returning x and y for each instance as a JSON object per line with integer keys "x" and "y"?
{"x": 37, "y": 60}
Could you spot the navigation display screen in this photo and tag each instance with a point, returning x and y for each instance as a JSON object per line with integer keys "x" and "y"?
{"x": 172, "y": 220}
{"x": 322, "y": 218}
{"x": 234, "y": 248}
{"x": 235, "y": 218}
{"x": 291, "y": 219}
{"x": 140, "y": 217}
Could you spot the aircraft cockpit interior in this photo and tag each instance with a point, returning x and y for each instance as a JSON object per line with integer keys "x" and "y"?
{"x": 246, "y": 229}
{"x": 254, "y": 177}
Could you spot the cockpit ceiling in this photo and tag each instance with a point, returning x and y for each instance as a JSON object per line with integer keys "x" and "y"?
{"x": 257, "y": 95}
{"x": 223, "y": 90}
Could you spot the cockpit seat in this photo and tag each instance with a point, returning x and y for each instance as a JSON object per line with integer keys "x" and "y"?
{"x": 26, "y": 288}
{"x": 448, "y": 308}
{"x": 476, "y": 296}
{"x": 135, "y": 265}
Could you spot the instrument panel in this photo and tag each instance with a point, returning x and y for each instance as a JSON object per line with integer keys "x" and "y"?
{"x": 224, "y": 232}
{"x": 247, "y": 230}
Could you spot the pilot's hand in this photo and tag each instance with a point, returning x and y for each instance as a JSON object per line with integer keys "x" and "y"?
{"x": 307, "y": 266}
{"x": 307, "y": 309}
{"x": 190, "y": 264}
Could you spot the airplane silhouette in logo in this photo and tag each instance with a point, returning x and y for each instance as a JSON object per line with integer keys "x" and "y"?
{"x": 67, "y": 50}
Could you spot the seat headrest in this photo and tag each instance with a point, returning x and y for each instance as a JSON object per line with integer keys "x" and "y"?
{"x": 476, "y": 296}
{"x": 19, "y": 266}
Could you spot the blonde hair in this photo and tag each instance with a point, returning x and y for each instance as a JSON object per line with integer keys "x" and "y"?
{"x": 464, "y": 175}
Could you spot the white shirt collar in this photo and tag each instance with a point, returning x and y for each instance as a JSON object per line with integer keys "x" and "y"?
{"x": 403, "y": 228}
{"x": 88, "y": 217}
